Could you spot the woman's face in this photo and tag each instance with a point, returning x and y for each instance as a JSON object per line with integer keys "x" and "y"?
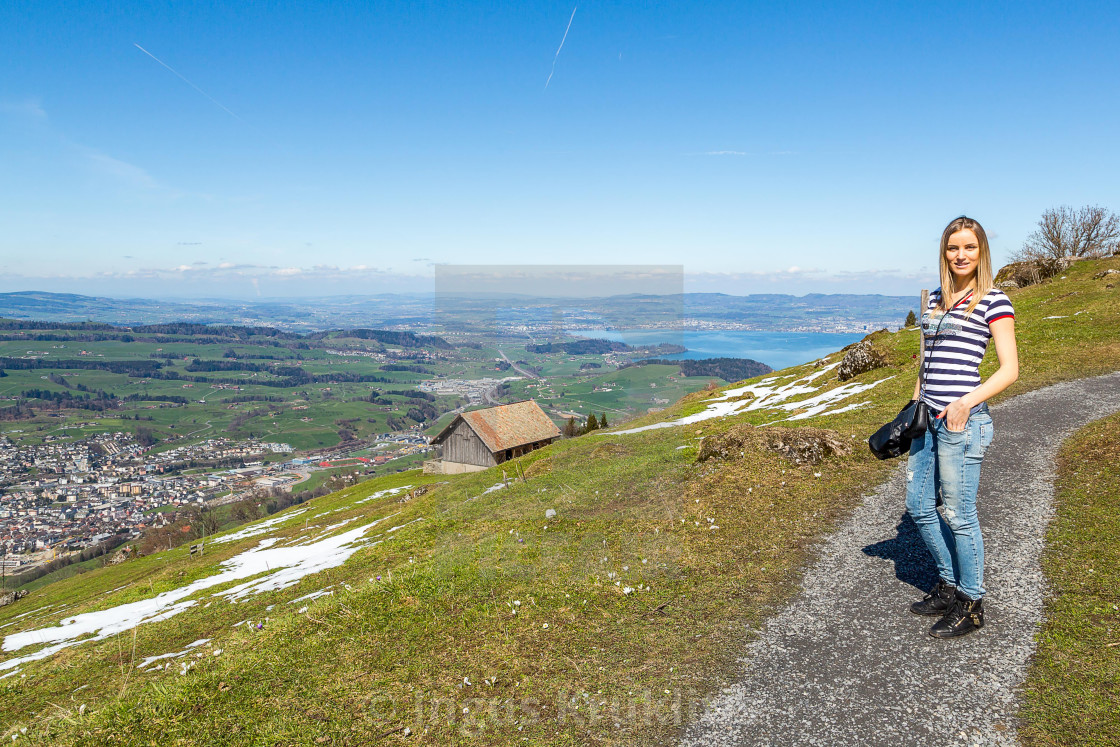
{"x": 963, "y": 255}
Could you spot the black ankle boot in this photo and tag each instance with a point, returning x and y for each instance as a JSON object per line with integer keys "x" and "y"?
{"x": 938, "y": 601}
{"x": 965, "y": 616}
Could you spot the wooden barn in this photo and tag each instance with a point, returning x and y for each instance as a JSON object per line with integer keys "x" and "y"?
{"x": 480, "y": 439}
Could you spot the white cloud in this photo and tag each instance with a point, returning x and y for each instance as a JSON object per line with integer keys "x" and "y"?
{"x": 797, "y": 280}
{"x": 118, "y": 169}
{"x": 202, "y": 271}
{"x": 31, "y": 108}
{"x": 94, "y": 159}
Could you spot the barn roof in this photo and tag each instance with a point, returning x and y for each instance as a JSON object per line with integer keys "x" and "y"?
{"x": 506, "y": 426}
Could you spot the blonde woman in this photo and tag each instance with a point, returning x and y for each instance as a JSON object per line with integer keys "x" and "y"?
{"x": 963, "y": 315}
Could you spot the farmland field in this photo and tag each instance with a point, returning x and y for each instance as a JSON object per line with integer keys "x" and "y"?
{"x": 180, "y": 384}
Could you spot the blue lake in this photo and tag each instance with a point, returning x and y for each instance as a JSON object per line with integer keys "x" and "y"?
{"x": 776, "y": 349}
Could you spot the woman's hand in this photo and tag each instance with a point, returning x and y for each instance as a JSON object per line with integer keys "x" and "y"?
{"x": 956, "y": 415}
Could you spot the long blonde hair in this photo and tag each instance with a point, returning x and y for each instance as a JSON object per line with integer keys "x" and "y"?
{"x": 981, "y": 279}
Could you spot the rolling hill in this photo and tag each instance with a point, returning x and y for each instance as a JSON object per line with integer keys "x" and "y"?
{"x": 599, "y": 600}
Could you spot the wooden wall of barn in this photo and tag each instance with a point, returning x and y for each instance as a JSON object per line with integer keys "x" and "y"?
{"x": 464, "y": 445}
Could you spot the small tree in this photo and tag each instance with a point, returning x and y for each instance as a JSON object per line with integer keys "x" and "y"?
{"x": 1090, "y": 231}
{"x": 911, "y": 319}
{"x": 603, "y": 420}
{"x": 591, "y": 424}
{"x": 571, "y": 430}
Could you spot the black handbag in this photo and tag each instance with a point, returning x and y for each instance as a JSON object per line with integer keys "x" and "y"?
{"x": 894, "y": 438}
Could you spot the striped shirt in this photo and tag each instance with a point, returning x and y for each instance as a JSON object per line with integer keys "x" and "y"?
{"x": 953, "y": 352}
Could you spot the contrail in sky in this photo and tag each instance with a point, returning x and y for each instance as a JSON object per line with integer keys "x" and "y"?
{"x": 556, "y": 57}
{"x": 192, "y": 85}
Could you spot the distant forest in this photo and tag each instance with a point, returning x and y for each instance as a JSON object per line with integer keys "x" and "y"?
{"x": 390, "y": 337}
{"x": 293, "y": 376}
{"x": 728, "y": 369}
{"x": 203, "y": 334}
{"x": 580, "y": 347}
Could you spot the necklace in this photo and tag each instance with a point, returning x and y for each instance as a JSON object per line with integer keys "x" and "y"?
{"x": 957, "y": 299}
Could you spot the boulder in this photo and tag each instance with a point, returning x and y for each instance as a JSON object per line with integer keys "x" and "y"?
{"x": 806, "y": 445}
{"x": 417, "y": 492}
{"x": 801, "y": 446}
{"x": 12, "y": 596}
{"x": 860, "y": 358}
{"x": 122, "y": 555}
{"x": 728, "y": 445}
{"x": 1031, "y": 272}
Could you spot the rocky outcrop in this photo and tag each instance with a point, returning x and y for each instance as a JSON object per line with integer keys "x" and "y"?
{"x": 11, "y": 597}
{"x": 1031, "y": 272}
{"x": 860, "y": 358}
{"x": 728, "y": 445}
{"x": 806, "y": 445}
{"x": 122, "y": 555}
{"x": 799, "y": 445}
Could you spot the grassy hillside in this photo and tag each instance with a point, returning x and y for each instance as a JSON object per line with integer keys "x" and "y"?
{"x": 471, "y": 614}
{"x": 1073, "y": 688}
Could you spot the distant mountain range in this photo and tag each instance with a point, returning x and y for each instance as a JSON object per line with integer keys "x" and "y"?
{"x": 761, "y": 311}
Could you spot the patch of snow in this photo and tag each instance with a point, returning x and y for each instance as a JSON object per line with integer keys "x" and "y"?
{"x": 342, "y": 523}
{"x": 815, "y": 411}
{"x": 402, "y": 526}
{"x": 769, "y": 395}
{"x": 313, "y": 595}
{"x": 380, "y": 493}
{"x": 268, "y": 568}
{"x": 25, "y": 614}
{"x": 259, "y": 528}
{"x": 319, "y": 532}
{"x": 152, "y": 659}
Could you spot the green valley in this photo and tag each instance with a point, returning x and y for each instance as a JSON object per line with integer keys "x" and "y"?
{"x": 595, "y": 591}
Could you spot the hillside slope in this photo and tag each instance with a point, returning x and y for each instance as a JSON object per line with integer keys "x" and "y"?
{"x": 598, "y": 601}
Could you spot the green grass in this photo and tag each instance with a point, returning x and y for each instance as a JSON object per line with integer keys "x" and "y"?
{"x": 383, "y": 655}
{"x": 1072, "y": 692}
{"x": 206, "y": 414}
{"x": 322, "y": 477}
{"x": 69, "y": 571}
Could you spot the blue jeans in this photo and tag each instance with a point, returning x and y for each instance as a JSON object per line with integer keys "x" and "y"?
{"x": 949, "y": 462}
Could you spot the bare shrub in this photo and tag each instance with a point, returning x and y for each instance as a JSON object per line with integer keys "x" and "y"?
{"x": 1064, "y": 233}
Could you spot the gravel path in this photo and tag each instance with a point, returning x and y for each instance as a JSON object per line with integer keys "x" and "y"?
{"x": 846, "y": 663}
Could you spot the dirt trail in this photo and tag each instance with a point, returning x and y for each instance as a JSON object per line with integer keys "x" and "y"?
{"x": 845, "y": 663}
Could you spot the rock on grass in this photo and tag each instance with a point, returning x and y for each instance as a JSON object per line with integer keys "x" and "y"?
{"x": 799, "y": 445}
{"x": 860, "y": 358}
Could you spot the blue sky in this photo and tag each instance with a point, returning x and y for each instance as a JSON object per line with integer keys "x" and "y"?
{"x": 348, "y": 147}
